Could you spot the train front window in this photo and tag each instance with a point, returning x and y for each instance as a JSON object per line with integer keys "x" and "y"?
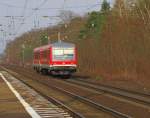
{"x": 63, "y": 54}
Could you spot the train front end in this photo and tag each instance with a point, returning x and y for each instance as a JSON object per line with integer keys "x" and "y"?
{"x": 63, "y": 58}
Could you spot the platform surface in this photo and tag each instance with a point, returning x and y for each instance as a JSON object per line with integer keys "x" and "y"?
{"x": 10, "y": 107}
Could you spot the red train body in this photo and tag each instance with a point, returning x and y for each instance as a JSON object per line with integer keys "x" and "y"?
{"x": 58, "y": 58}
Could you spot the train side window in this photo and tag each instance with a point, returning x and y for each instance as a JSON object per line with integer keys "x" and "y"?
{"x": 45, "y": 54}
{"x": 48, "y": 53}
{"x": 36, "y": 55}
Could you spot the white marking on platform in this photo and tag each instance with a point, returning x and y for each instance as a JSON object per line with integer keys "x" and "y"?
{"x": 27, "y": 107}
{"x": 42, "y": 107}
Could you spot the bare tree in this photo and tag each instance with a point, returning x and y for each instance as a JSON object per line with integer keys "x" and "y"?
{"x": 67, "y": 16}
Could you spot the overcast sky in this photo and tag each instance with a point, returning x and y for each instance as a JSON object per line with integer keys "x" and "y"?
{"x": 20, "y": 16}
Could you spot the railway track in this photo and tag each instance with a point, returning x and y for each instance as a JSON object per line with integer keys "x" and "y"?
{"x": 138, "y": 97}
{"x": 75, "y": 96}
{"x": 94, "y": 104}
{"x": 131, "y": 96}
{"x": 142, "y": 99}
{"x": 51, "y": 99}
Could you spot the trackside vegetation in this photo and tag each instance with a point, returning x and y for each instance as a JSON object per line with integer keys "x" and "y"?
{"x": 95, "y": 22}
{"x": 112, "y": 42}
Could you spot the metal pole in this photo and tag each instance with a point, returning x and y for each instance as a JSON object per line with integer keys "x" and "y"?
{"x": 23, "y": 47}
{"x": 59, "y": 40}
{"x": 48, "y": 40}
{"x": 23, "y": 57}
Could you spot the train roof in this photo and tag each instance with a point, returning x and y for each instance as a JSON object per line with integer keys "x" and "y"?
{"x": 42, "y": 47}
{"x": 55, "y": 44}
{"x": 62, "y": 44}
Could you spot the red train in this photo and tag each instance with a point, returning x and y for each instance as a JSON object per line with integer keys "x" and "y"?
{"x": 59, "y": 58}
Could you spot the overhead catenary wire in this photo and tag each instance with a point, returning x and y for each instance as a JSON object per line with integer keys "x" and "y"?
{"x": 63, "y": 7}
{"x": 13, "y": 19}
{"x": 51, "y": 8}
{"x": 24, "y": 10}
{"x": 10, "y": 5}
{"x": 21, "y": 25}
{"x": 24, "y": 17}
{"x": 40, "y": 7}
{"x": 25, "y": 7}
